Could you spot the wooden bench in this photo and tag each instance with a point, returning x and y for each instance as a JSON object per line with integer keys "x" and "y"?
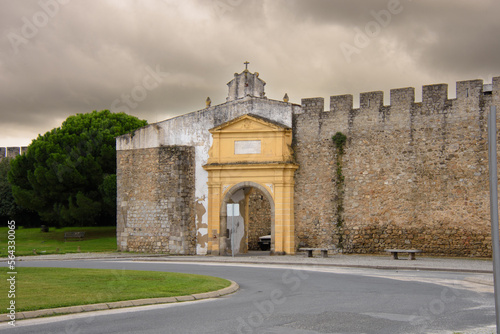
{"x": 411, "y": 253}
{"x": 324, "y": 251}
{"x": 74, "y": 235}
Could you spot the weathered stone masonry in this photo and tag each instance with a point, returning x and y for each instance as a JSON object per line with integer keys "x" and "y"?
{"x": 260, "y": 219}
{"x": 156, "y": 200}
{"x": 416, "y": 174}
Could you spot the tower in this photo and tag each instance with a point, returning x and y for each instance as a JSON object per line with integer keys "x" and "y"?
{"x": 246, "y": 84}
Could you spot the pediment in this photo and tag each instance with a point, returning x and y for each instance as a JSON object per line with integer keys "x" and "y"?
{"x": 249, "y": 123}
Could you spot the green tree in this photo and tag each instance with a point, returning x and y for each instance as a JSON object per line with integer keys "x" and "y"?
{"x": 68, "y": 175}
{"x": 7, "y": 203}
{"x": 9, "y": 209}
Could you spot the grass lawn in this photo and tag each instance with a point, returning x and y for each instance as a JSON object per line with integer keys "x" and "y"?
{"x": 97, "y": 239}
{"x": 39, "y": 288}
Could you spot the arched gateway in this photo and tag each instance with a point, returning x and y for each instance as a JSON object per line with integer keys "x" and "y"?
{"x": 251, "y": 152}
{"x": 241, "y": 193}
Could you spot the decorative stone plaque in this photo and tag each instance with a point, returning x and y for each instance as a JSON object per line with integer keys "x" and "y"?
{"x": 247, "y": 147}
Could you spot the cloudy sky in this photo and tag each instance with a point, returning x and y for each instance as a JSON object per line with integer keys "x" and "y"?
{"x": 160, "y": 58}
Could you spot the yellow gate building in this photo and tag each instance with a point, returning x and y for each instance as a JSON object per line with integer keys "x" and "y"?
{"x": 251, "y": 152}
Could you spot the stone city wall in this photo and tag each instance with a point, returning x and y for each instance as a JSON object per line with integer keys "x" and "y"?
{"x": 155, "y": 201}
{"x": 415, "y": 175}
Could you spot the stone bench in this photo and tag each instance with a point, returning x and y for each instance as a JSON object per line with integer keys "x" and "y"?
{"x": 324, "y": 251}
{"x": 74, "y": 235}
{"x": 411, "y": 253}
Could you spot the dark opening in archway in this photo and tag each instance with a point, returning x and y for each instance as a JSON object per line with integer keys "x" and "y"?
{"x": 241, "y": 225}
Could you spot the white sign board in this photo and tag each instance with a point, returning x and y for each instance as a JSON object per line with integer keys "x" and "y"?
{"x": 247, "y": 147}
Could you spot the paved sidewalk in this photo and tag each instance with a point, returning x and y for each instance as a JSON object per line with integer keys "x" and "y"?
{"x": 484, "y": 266}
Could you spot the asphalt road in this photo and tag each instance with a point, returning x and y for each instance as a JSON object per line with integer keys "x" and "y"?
{"x": 290, "y": 300}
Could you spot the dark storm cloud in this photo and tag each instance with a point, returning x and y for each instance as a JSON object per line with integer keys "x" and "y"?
{"x": 348, "y": 13}
{"x": 157, "y": 59}
{"x": 446, "y": 35}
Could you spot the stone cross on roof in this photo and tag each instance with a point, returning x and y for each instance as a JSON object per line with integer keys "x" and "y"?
{"x": 246, "y": 84}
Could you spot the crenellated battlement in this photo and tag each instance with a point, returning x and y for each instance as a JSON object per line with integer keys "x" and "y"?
{"x": 341, "y": 103}
{"x": 12, "y": 152}
{"x": 434, "y": 98}
{"x": 371, "y": 100}
{"x": 313, "y": 104}
{"x": 412, "y": 174}
{"x": 402, "y": 97}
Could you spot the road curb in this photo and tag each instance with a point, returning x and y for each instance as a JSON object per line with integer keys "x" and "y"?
{"x": 122, "y": 304}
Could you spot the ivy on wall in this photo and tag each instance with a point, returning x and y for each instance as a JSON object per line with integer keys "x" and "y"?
{"x": 339, "y": 139}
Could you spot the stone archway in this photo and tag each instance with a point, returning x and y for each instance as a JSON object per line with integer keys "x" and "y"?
{"x": 251, "y": 151}
{"x": 223, "y": 241}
